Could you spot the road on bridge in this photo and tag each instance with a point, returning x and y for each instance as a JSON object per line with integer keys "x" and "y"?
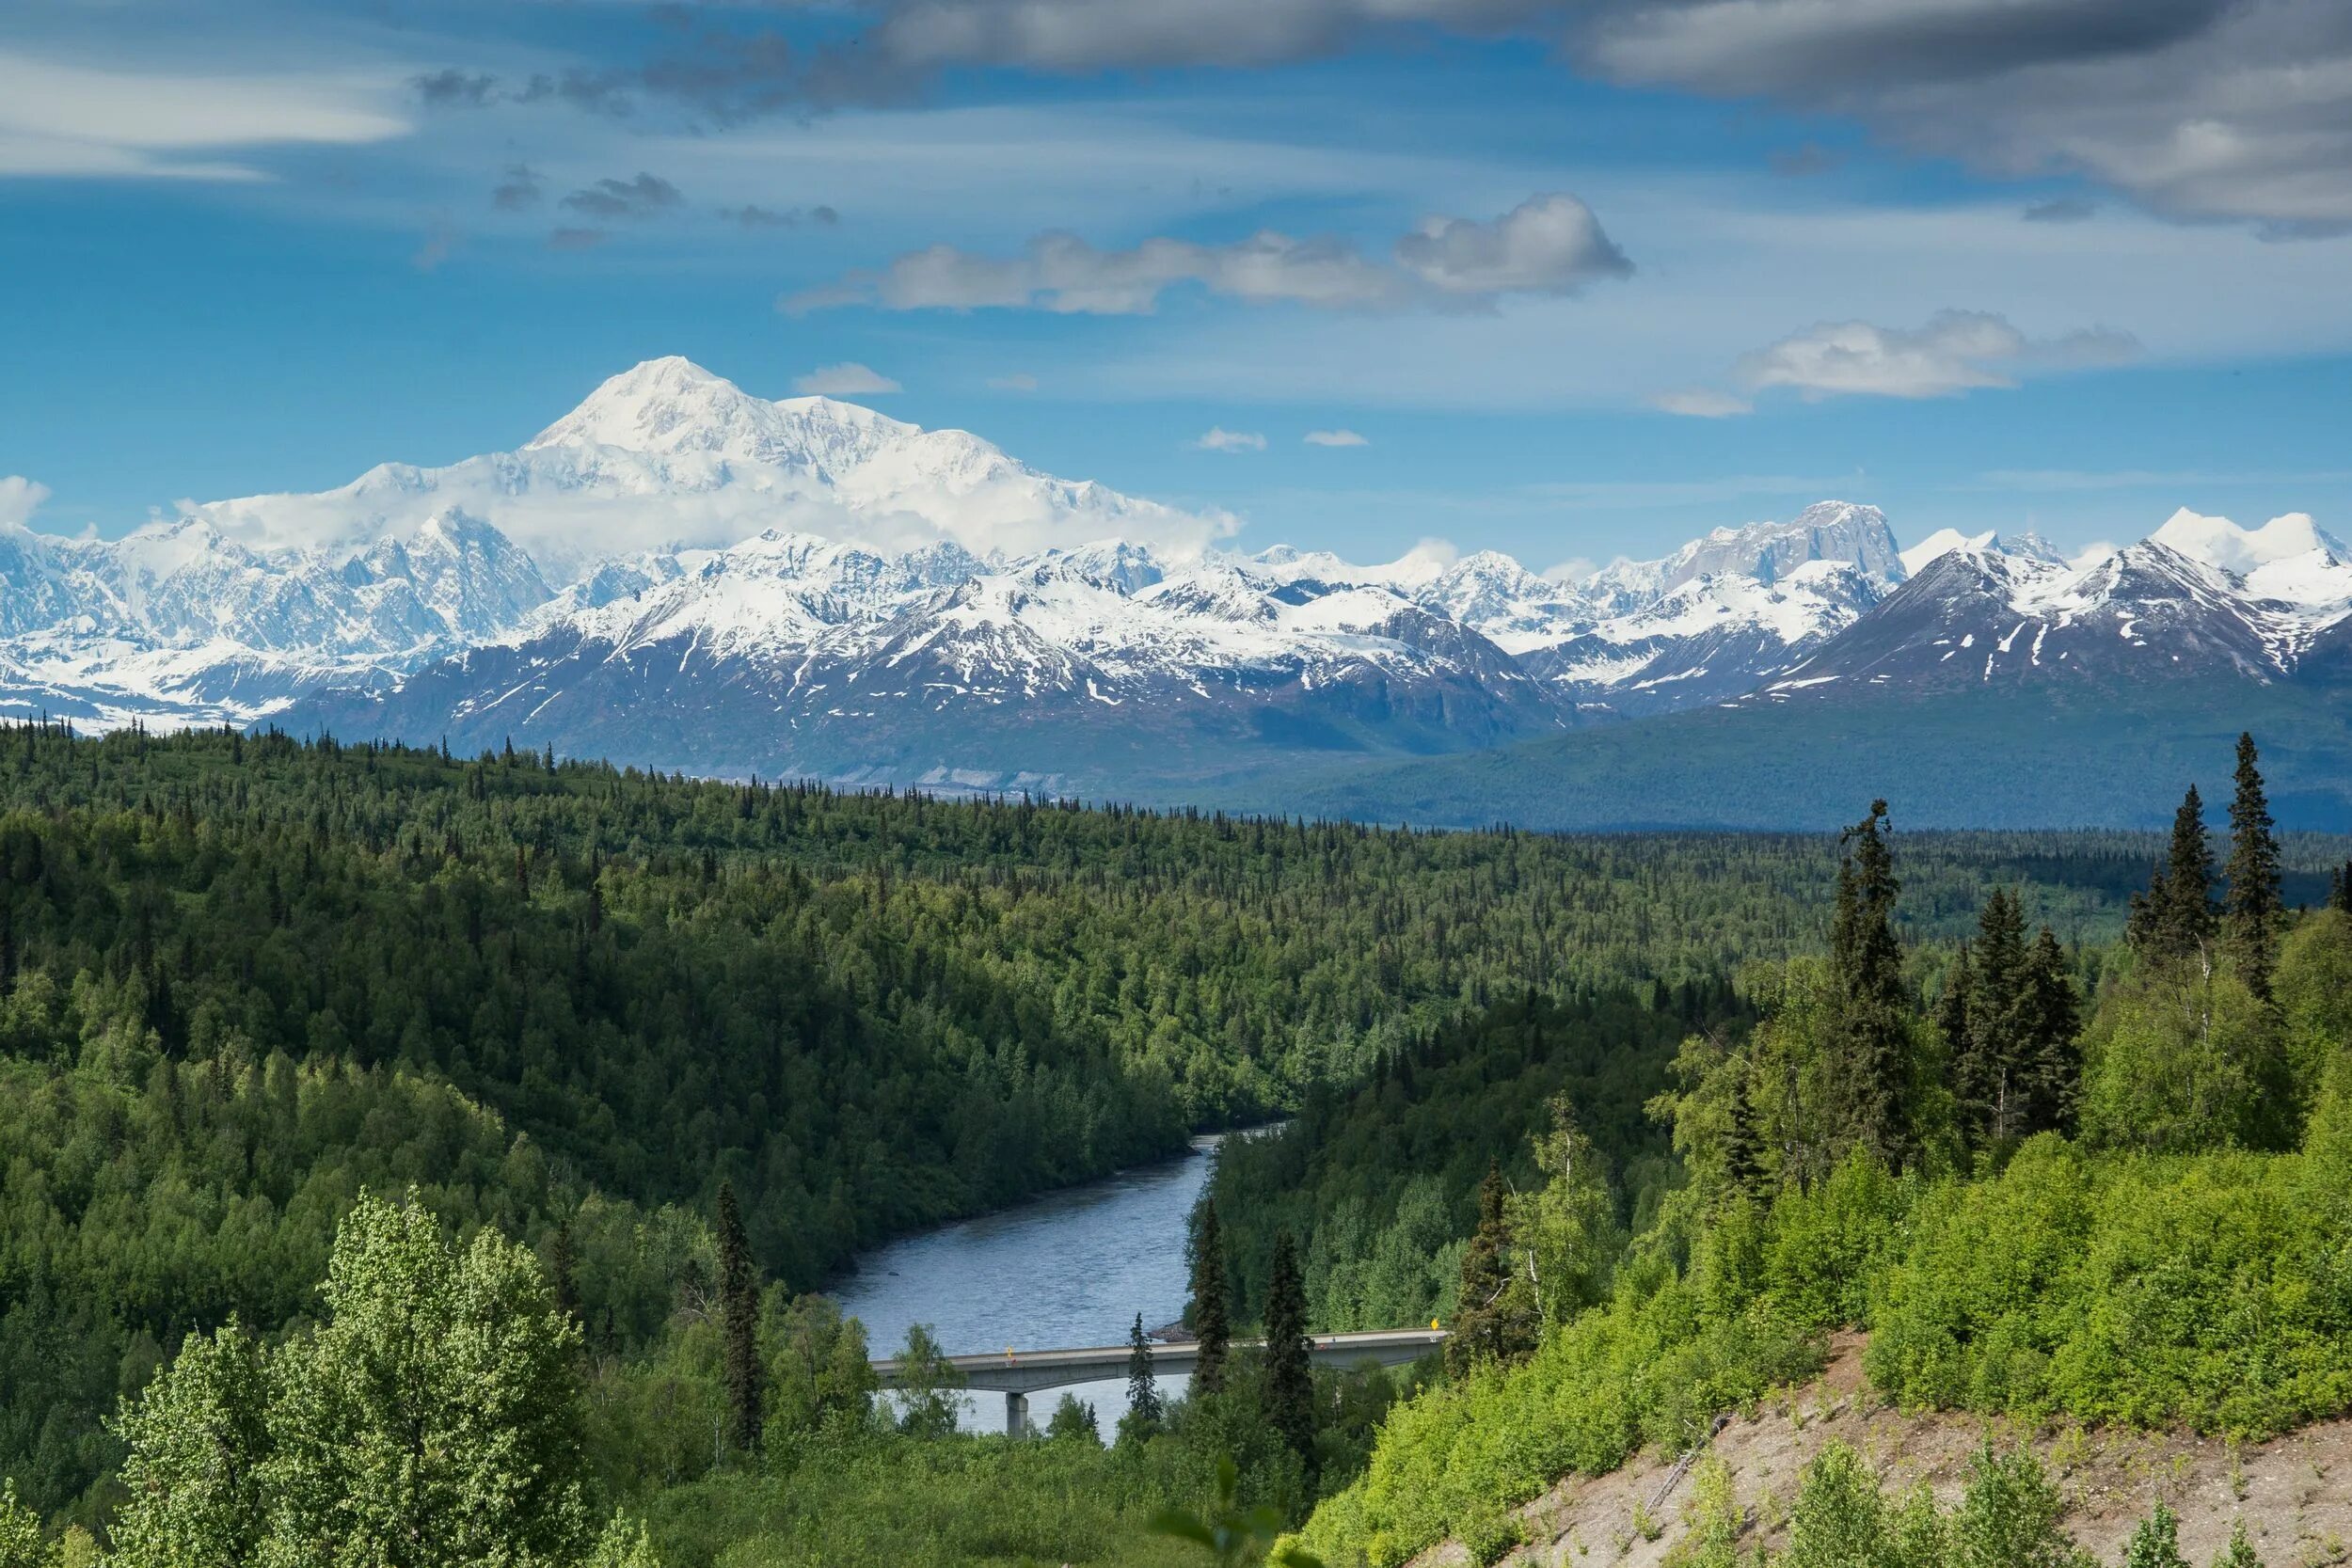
{"x": 1020, "y": 1373}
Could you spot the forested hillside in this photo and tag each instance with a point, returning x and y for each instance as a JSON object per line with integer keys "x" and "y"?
{"x": 2106, "y": 1186}
{"x": 243, "y": 980}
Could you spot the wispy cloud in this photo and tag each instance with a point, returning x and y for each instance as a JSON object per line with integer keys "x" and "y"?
{"x": 848, "y": 379}
{"x": 1548, "y": 244}
{"x": 1334, "y": 438}
{"x": 1956, "y": 350}
{"x": 1019, "y": 382}
{"x": 641, "y": 198}
{"x": 61, "y": 120}
{"x": 1218, "y": 439}
{"x": 1701, "y": 402}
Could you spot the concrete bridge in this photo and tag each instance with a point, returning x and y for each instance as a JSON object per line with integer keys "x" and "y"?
{"x": 1017, "y": 1374}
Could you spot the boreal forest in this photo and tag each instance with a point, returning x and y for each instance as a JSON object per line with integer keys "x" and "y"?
{"x": 410, "y": 1159}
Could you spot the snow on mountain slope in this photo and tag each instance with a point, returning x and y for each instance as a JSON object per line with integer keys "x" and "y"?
{"x": 667, "y": 456}
{"x": 680, "y": 573}
{"x": 1978, "y": 614}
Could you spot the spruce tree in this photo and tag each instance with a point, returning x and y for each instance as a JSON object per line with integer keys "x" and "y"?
{"x": 2251, "y": 908}
{"x": 1289, "y": 1385}
{"x": 1143, "y": 1390}
{"x": 2052, "y": 1064}
{"x": 1490, "y": 1323}
{"x": 1873, "y": 1024}
{"x": 1743, "y": 1144}
{"x": 738, "y": 1306}
{"x": 1212, "y": 1320}
{"x": 2340, "y": 891}
{"x": 2174, "y": 923}
{"x": 1989, "y": 1076}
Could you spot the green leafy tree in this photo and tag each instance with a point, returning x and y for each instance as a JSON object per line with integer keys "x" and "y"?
{"x": 2156, "y": 1542}
{"x": 2240, "y": 1552}
{"x": 817, "y": 1366}
{"x": 1234, "y": 1536}
{"x": 1211, "y": 1304}
{"x": 22, "y": 1545}
{"x": 1565, "y": 1230}
{"x": 929, "y": 1386}
{"x": 1839, "y": 1520}
{"x": 2251, "y": 908}
{"x": 1073, "y": 1418}
{"x": 1288, "y": 1390}
{"x": 2010, "y": 1515}
{"x": 2177, "y": 1061}
{"x": 738, "y": 1308}
{"x": 196, "y": 1443}
{"x": 434, "y": 1418}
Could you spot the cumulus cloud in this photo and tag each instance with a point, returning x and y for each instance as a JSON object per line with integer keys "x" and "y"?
{"x": 20, "y": 497}
{"x": 640, "y": 198}
{"x": 1701, "y": 402}
{"x": 848, "y": 379}
{"x": 1956, "y": 350}
{"x": 1218, "y": 439}
{"x": 1334, "y": 438}
{"x": 1548, "y": 243}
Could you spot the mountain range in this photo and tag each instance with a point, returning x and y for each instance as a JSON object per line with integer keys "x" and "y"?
{"x": 680, "y": 574}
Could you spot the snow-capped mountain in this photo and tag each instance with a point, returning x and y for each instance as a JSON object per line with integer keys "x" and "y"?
{"x": 2200, "y": 596}
{"x": 680, "y": 574}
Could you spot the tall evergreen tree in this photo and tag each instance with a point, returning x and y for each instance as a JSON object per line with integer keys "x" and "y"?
{"x": 2173, "y": 922}
{"x": 2251, "y": 908}
{"x": 1143, "y": 1390}
{"x": 1873, "y": 1022}
{"x": 1289, "y": 1386}
{"x": 1491, "y": 1322}
{"x": 1212, "y": 1311}
{"x": 2052, "y": 1063}
{"x": 1989, "y": 1073}
{"x": 738, "y": 1308}
{"x": 1743, "y": 1142}
{"x": 2339, "y": 888}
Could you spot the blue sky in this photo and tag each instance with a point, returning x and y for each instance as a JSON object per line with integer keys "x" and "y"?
{"x": 1574, "y": 281}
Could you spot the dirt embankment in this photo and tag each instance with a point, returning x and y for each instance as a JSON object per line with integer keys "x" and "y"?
{"x": 2295, "y": 1492}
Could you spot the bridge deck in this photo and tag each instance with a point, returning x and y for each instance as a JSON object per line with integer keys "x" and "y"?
{"x": 1027, "y": 1372}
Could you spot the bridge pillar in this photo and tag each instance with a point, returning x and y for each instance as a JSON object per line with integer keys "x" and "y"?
{"x": 1016, "y": 1415}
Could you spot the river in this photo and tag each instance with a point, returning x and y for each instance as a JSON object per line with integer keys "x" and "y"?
{"x": 1071, "y": 1268}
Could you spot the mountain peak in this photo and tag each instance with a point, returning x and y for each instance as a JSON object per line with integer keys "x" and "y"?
{"x": 674, "y": 407}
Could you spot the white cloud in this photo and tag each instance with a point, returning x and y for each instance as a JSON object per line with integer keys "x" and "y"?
{"x": 848, "y": 379}
{"x": 1957, "y": 351}
{"x": 1548, "y": 244}
{"x": 1020, "y": 383}
{"x": 20, "y": 497}
{"x": 2091, "y": 555}
{"x": 1574, "y": 569}
{"x": 1334, "y": 438}
{"x": 1218, "y": 438}
{"x": 1701, "y": 402}
{"x": 60, "y": 120}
